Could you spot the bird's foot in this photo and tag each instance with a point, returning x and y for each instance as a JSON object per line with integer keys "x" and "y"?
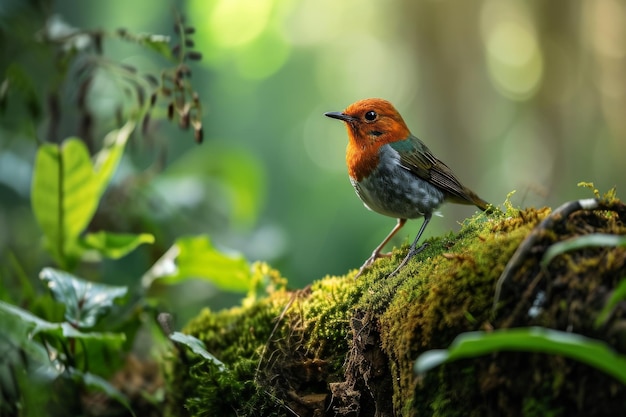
{"x": 412, "y": 252}
{"x": 370, "y": 261}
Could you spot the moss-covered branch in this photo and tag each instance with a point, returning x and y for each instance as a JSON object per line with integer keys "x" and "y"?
{"x": 346, "y": 347}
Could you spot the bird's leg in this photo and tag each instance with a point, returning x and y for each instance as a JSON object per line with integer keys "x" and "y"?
{"x": 414, "y": 250}
{"x": 376, "y": 254}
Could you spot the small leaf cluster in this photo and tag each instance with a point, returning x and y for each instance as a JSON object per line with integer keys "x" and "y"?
{"x": 79, "y": 60}
{"x": 60, "y": 344}
{"x": 71, "y": 350}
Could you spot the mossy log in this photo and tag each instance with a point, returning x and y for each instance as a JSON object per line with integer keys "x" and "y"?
{"x": 346, "y": 347}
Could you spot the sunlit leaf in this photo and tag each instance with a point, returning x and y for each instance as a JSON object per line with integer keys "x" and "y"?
{"x": 67, "y": 187}
{"x": 581, "y": 242}
{"x": 115, "y": 245}
{"x": 85, "y": 302}
{"x": 197, "y": 346}
{"x": 65, "y": 194}
{"x": 108, "y": 158}
{"x": 196, "y": 257}
{"x": 534, "y": 339}
{"x": 617, "y": 295}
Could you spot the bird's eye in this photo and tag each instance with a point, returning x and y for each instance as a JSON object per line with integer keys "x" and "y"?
{"x": 370, "y": 115}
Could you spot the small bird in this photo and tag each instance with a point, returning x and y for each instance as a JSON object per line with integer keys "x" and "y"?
{"x": 394, "y": 173}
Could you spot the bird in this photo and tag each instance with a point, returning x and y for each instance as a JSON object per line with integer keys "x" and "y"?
{"x": 394, "y": 173}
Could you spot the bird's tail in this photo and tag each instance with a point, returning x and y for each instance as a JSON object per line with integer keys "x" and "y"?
{"x": 481, "y": 204}
{"x": 470, "y": 197}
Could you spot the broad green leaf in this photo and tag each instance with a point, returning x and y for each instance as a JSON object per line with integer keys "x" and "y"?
{"x": 198, "y": 347}
{"x": 617, "y": 295}
{"x": 114, "y": 245}
{"x": 64, "y": 193}
{"x": 93, "y": 381}
{"x": 109, "y": 157}
{"x": 67, "y": 188}
{"x": 195, "y": 257}
{"x": 85, "y": 302}
{"x": 580, "y": 242}
{"x": 16, "y": 332}
{"x": 36, "y": 325}
{"x": 534, "y": 339}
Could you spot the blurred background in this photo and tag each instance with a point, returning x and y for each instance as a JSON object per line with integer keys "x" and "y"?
{"x": 512, "y": 95}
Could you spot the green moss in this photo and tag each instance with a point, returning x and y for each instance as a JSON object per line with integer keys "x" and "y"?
{"x": 346, "y": 347}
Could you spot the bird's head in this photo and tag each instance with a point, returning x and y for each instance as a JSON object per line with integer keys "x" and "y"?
{"x": 372, "y": 121}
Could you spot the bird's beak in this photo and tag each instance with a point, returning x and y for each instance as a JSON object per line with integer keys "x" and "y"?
{"x": 339, "y": 115}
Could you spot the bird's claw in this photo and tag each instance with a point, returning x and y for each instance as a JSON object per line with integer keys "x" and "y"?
{"x": 370, "y": 261}
{"x": 412, "y": 252}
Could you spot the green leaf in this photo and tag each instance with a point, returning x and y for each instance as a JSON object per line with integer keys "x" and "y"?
{"x": 85, "y": 302}
{"x": 195, "y": 257}
{"x": 581, "y": 242}
{"x": 35, "y": 325}
{"x": 17, "y": 331}
{"x": 108, "y": 158}
{"x": 618, "y": 295}
{"x": 534, "y": 339}
{"x": 198, "y": 347}
{"x": 65, "y": 195}
{"x": 67, "y": 188}
{"x": 115, "y": 245}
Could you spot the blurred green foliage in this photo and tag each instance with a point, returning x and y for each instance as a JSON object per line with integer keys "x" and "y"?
{"x": 511, "y": 95}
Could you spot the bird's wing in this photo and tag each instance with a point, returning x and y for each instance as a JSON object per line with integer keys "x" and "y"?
{"x": 417, "y": 158}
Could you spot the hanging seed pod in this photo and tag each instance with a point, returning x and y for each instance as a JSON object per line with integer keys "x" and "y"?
{"x": 153, "y": 99}
{"x": 176, "y": 51}
{"x": 194, "y": 55}
{"x": 183, "y": 71}
{"x": 170, "y": 111}
{"x": 189, "y": 43}
{"x": 189, "y": 30}
{"x": 184, "y": 120}
{"x": 198, "y": 134}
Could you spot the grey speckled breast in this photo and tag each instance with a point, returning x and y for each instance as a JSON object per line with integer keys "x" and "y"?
{"x": 395, "y": 191}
